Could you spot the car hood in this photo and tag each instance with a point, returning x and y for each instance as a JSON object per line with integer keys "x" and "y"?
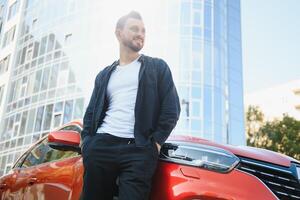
{"x": 243, "y": 151}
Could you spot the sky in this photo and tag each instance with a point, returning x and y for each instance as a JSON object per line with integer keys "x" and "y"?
{"x": 270, "y": 42}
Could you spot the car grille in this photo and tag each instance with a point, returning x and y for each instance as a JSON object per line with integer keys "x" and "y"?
{"x": 281, "y": 180}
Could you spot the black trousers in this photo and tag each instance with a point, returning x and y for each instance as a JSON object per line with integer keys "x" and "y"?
{"x": 107, "y": 158}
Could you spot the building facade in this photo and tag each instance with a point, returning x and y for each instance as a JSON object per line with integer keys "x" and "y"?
{"x": 56, "y": 48}
{"x": 210, "y": 71}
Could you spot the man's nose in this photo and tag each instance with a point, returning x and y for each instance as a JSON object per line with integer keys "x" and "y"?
{"x": 141, "y": 34}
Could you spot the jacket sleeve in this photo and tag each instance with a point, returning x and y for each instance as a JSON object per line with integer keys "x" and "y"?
{"x": 87, "y": 119}
{"x": 169, "y": 104}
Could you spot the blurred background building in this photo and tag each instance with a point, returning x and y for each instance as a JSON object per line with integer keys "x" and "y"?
{"x": 276, "y": 101}
{"x": 51, "y": 51}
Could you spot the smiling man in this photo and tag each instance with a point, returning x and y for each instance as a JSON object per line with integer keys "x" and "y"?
{"x": 132, "y": 111}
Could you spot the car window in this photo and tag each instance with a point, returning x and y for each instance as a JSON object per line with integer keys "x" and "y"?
{"x": 43, "y": 153}
{"x": 71, "y": 128}
{"x": 20, "y": 160}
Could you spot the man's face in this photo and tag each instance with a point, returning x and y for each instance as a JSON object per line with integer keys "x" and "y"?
{"x": 133, "y": 34}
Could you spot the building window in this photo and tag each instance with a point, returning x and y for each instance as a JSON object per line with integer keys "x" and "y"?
{"x": 196, "y": 92}
{"x": 57, "y": 115}
{"x": 78, "y": 109}
{"x": 185, "y": 17}
{"x": 9, "y": 36}
{"x": 23, "y": 123}
{"x": 43, "y": 45}
{"x": 1, "y": 10}
{"x": 29, "y": 53}
{"x": 35, "y": 49}
{"x": 68, "y": 111}
{"x": 29, "y": 3}
{"x": 37, "y": 83}
{"x": 197, "y": 18}
{"x": 45, "y": 78}
{"x": 68, "y": 38}
{"x": 0, "y": 25}
{"x": 196, "y": 125}
{"x": 31, "y": 118}
{"x": 34, "y": 22}
{"x": 4, "y": 64}
{"x": 196, "y": 108}
{"x": 13, "y": 9}
{"x": 1, "y": 16}
{"x": 51, "y": 40}
{"x": 39, "y": 119}
{"x": 1, "y": 93}
{"x": 48, "y": 117}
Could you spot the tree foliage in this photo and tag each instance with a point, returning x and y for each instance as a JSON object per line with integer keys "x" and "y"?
{"x": 278, "y": 135}
{"x": 254, "y": 120}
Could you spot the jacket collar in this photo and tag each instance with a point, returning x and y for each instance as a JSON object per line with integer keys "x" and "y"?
{"x": 117, "y": 62}
{"x": 141, "y": 60}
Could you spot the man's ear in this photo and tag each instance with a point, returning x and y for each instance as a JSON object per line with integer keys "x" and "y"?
{"x": 117, "y": 33}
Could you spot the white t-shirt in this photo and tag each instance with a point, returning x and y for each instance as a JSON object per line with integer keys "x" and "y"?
{"x": 121, "y": 92}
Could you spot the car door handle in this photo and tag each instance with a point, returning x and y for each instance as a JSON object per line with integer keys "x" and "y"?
{"x": 2, "y": 186}
{"x": 32, "y": 180}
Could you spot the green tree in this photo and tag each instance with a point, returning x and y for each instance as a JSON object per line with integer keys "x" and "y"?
{"x": 281, "y": 136}
{"x": 254, "y": 120}
{"x": 278, "y": 135}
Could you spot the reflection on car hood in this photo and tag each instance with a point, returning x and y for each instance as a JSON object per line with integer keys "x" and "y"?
{"x": 244, "y": 151}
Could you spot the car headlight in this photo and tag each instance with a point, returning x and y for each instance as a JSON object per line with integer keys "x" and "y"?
{"x": 203, "y": 156}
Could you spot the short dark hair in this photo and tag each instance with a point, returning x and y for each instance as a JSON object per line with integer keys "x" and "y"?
{"x": 121, "y": 22}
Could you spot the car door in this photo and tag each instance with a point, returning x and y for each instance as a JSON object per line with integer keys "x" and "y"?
{"x": 50, "y": 173}
{"x": 8, "y": 187}
{"x": 13, "y": 184}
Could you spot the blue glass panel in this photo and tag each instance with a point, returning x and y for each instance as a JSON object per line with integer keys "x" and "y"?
{"x": 196, "y": 76}
{"x": 196, "y": 92}
{"x": 184, "y": 92}
{"x": 185, "y": 13}
{"x": 184, "y": 75}
{"x": 197, "y": 6}
{"x": 197, "y": 18}
{"x": 207, "y": 64}
{"x": 196, "y": 31}
{"x": 196, "y": 109}
{"x": 218, "y": 107}
{"x": 207, "y": 103}
{"x": 196, "y": 45}
{"x": 185, "y": 54}
{"x": 218, "y": 133}
{"x": 196, "y": 61}
{"x": 207, "y": 16}
{"x": 196, "y": 125}
{"x": 185, "y": 30}
{"x": 207, "y": 129}
{"x": 185, "y": 46}
{"x": 207, "y": 34}
{"x": 217, "y": 62}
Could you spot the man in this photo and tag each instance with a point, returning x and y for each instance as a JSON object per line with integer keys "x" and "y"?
{"x": 132, "y": 111}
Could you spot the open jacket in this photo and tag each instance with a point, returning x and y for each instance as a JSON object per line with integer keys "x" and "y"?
{"x": 157, "y": 106}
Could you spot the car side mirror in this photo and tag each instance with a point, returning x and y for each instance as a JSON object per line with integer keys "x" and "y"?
{"x": 65, "y": 140}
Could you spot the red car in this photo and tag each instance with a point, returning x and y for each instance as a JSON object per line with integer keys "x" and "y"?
{"x": 189, "y": 169}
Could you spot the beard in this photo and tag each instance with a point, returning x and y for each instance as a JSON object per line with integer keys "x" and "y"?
{"x": 134, "y": 47}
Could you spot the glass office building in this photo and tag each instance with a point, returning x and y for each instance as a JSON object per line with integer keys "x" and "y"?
{"x": 210, "y": 70}
{"x": 60, "y": 46}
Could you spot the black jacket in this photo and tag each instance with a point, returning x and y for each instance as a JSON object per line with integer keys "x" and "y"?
{"x": 157, "y": 106}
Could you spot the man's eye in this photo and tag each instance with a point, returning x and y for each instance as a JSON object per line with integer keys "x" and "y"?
{"x": 135, "y": 29}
